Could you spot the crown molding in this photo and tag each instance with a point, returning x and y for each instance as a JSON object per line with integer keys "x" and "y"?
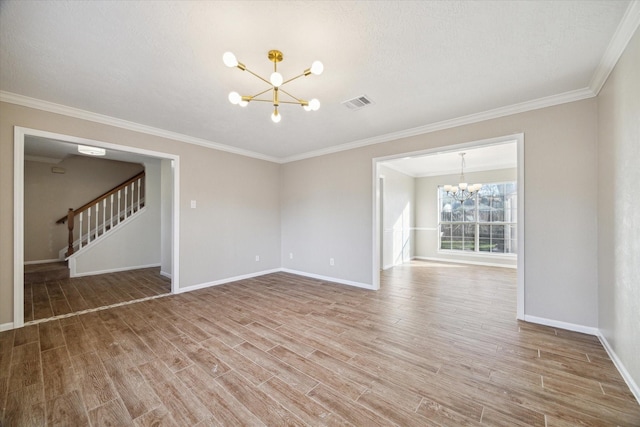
{"x": 548, "y": 101}
{"x": 38, "y": 104}
{"x": 628, "y": 25}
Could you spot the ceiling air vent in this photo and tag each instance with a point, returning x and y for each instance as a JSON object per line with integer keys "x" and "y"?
{"x": 358, "y": 103}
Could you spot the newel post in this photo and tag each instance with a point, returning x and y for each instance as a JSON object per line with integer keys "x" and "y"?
{"x": 70, "y": 227}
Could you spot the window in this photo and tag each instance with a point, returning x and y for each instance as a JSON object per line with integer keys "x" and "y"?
{"x": 486, "y": 223}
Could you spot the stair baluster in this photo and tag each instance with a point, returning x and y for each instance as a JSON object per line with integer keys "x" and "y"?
{"x": 132, "y": 191}
{"x": 126, "y": 207}
{"x": 111, "y": 215}
{"x": 70, "y": 215}
{"x": 80, "y": 229}
{"x": 88, "y": 226}
{"x": 119, "y": 198}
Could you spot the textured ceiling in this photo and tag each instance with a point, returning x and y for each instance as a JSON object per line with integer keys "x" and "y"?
{"x": 46, "y": 150}
{"x": 159, "y": 63}
{"x": 488, "y": 157}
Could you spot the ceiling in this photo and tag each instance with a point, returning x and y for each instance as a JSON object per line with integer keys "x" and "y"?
{"x": 481, "y": 158}
{"x": 159, "y": 64}
{"x": 47, "y": 150}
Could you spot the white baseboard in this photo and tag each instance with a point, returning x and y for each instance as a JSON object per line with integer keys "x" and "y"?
{"x": 275, "y": 270}
{"x": 43, "y": 261}
{"x": 388, "y": 266}
{"x": 227, "y": 280}
{"x": 620, "y": 366}
{"x": 328, "y": 279}
{"x": 6, "y": 326}
{"x": 73, "y": 273}
{"x": 562, "y": 325}
{"x": 165, "y": 274}
{"x": 458, "y": 261}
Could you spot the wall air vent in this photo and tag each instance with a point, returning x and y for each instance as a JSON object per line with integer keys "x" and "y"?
{"x": 358, "y": 102}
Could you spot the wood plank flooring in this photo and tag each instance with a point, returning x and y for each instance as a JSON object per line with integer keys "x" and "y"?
{"x": 436, "y": 346}
{"x": 61, "y": 297}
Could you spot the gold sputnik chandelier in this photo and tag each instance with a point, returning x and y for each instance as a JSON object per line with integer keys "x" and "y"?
{"x": 275, "y": 82}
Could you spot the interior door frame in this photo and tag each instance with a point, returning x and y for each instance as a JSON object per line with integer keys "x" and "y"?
{"x": 519, "y": 139}
{"x": 18, "y": 207}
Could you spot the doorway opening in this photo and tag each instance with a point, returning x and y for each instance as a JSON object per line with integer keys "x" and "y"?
{"x": 166, "y": 174}
{"x": 408, "y": 189}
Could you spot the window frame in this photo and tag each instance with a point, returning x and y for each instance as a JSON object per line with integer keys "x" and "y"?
{"x": 476, "y": 223}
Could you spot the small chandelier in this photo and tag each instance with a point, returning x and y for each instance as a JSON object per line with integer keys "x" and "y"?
{"x": 276, "y": 81}
{"x": 462, "y": 191}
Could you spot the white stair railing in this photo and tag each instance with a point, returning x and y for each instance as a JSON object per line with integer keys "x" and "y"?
{"x": 89, "y": 235}
{"x": 104, "y": 213}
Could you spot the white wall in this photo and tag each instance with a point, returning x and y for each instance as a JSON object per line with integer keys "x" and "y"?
{"x": 132, "y": 244}
{"x": 327, "y": 207}
{"x": 398, "y": 217}
{"x": 326, "y": 213}
{"x": 619, "y": 210}
{"x": 426, "y": 235}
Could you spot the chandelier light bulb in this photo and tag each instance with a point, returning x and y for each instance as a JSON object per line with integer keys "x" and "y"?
{"x": 276, "y": 79}
{"x": 314, "y": 104}
{"x": 235, "y": 98}
{"x": 229, "y": 60}
{"x": 306, "y": 107}
{"x": 276, "y": 116}
{"x": 243, "y": 103}
{"x": 454, "y": 189}
{"x": 447, "y": 188}
{"x": 463, "y": 186}
{"x": 317, "y": 68}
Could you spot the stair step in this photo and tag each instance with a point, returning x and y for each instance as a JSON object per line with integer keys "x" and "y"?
{"x": 37, "y": 273}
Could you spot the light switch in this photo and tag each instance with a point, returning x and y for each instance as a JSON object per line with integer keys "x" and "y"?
{"x": 193, "y": 204}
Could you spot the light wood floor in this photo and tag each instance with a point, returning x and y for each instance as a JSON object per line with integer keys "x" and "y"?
{"x": 59, "y": 297}
{"x": 437, "y": 345}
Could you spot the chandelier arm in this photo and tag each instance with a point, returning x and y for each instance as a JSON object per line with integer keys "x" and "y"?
{"x": 288, "y": 94}
{"x": 260, "y": 77}
{"x": 270, "y": 101}
{"x": 260, "y": 93}
{"x": 292, "y": 102}
{"x": 292, "y": 79}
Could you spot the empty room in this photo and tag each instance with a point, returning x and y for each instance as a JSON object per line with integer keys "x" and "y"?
{"x": 261, "y": 213}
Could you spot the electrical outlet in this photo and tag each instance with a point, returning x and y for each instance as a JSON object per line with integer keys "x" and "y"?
{"x": 290, "y": 255}
{"x": 193, "y": 204}
{"x": 257, "y": 257}
{"x": 331, "y": 261}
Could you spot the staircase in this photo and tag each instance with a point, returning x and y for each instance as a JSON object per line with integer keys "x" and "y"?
{"x": 103, "y": 214}
{"x": 51, "y": 271}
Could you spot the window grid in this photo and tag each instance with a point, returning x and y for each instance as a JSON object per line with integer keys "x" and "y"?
{"x": 485, "y": 224}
